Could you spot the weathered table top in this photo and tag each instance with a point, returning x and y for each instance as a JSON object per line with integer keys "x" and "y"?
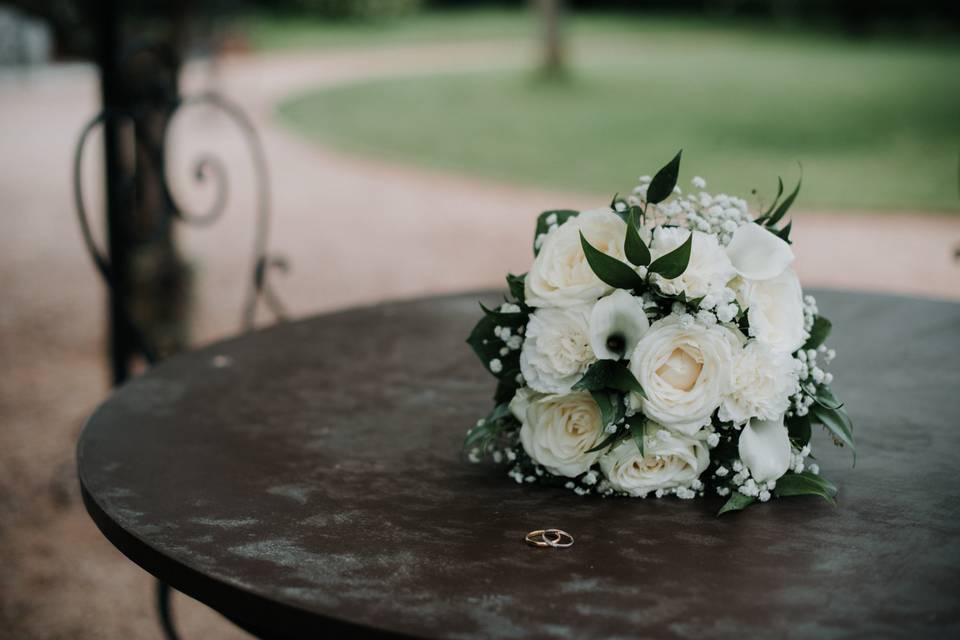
{"x": 306, "y": 479}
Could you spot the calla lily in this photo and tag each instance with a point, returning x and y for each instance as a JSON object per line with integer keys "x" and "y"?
{"x": 617, "y": 322}
{"x": 765, "y": 449}
{"x": 757, "y": 254}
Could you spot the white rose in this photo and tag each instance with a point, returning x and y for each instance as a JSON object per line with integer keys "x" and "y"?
{"x": 617, "y": 322}
{"x": 560, "y": 275}
{"x": 708, "y": 271}
{"x": 556, "y": 352}
{"x": 757, "y": 254}
{"x": 558, "y": 430}
{"x": 775, "y": 311}
{"x": 684, "y": 367}
{"x": 763, "y": 381}
{"x": 765, "y": 449}
{"x": 670, "y": 460}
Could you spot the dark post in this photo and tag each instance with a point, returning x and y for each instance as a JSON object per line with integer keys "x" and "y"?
{"x": 117, "y": 191}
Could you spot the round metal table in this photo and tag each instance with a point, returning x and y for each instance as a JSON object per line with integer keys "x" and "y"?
{"x": 306, "y": 479}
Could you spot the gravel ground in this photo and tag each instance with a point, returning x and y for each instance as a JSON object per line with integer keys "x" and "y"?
{"x": 355, "y": 229}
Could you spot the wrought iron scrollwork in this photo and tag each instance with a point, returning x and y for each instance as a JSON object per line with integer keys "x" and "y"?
{"x": 206, "y": 167}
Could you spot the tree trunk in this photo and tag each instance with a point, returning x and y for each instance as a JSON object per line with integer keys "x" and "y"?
{"x": 553, "y": 54}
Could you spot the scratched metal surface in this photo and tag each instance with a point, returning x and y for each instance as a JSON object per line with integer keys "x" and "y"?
{"x": 313, "y": 476}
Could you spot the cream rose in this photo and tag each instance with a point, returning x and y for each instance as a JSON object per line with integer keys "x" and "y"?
{"x": 557, "y": 431}
{"x": 708, "y": 271}
{"x": 762, "y": 382}
{"x": 560, "y": 275}
{"x": 669, "y": 461}
{"x": 775, "y": 311}
{"x": 557, "y": 351}
{"x": 684, "y": 367}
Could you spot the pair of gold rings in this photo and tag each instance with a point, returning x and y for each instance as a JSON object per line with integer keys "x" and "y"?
{"x": 556, "y": 538}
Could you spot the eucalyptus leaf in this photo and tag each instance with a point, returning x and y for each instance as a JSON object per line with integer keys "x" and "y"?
{"x": 805, "y": 484}
{"x": 666, "y": 179}
{"x": 736, "y": 502}
{"x": 673, "y": 264}
{"x": 837, "y": 423}
{"x": 633, "y": 246}
{"x": 784, "y": 206}
{"x": 610, "y": 270}
{"x": 818, "y": 333}
{"x": 543, "y": 226}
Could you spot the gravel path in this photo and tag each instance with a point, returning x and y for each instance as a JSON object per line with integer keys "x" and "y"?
{"x": 355, "y": 229}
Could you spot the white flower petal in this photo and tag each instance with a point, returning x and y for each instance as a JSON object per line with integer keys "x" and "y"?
{"x": 619, "y": 316}
{"x": 765, "y": 449}
{"x": 557, "y": 350}
{"x": 757, "y": 254}
{"x": 775, "y": 311}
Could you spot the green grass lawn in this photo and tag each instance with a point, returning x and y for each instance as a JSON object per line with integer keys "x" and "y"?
{"x": 874, "y": 124}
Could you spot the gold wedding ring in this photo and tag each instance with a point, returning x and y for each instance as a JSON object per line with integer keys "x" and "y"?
{"x": 556, "y": 538}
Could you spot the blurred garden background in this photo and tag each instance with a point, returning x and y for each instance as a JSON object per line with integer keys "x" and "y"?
{"x": 410, "y": 145}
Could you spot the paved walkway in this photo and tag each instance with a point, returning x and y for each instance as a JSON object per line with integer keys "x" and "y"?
{"x": 355, "y": 229}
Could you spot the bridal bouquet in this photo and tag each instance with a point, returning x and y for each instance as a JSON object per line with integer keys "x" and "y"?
{"x": 660, "y": 346}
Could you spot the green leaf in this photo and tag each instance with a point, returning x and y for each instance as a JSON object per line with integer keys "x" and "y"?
{"x": 818, "y": 333}
{"x": 494, "y": 424}
{"x": 673, "y": 264}
{"x": 781, "y": 210}
{"x": 784, "y": 234}
{"x": 805, "y": 484}
{"x": 826, "y": 398}
{"x": 506, "y": 389}
{"x": 798, "y": 428}
{"x": 609, "y": 374}
{"x": 610, "y": 270}
{"x": 619, "y": 206}
{"x": 543, "y": 226}
{"x": 512, "y": 319}
{"x": 515, "y": 284}
{"x": 608, "y": 409}
{"x": 663, "y": 183}
{"x": 487, "y": 345}
{"x": 500, "y": 411}
{"x": 611, "y": 440}
{"x": 637, "y": 424}
{"x": 737, "y": 502}
{"x": 622, "y": 379}
{"x": 773, "y": 204}
{"x": 633, "y": 246}
{"x": 837, "y": 423}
